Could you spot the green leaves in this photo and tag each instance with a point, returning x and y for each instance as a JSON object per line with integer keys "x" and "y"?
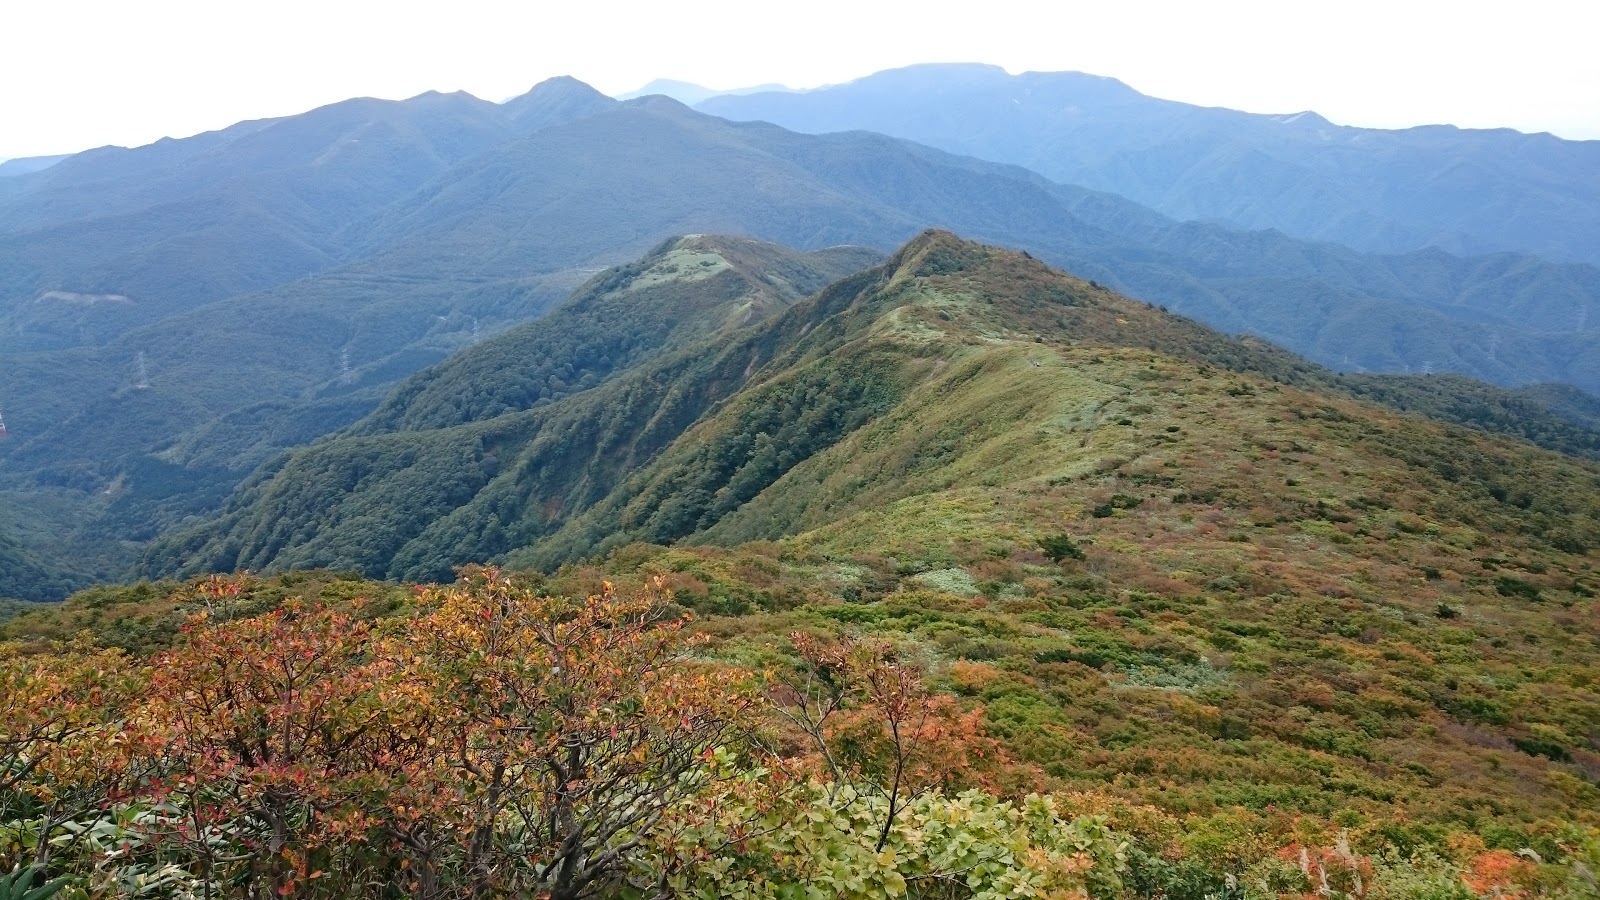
{"x": 19, "y": 885}
{"x": 972, "y": 842}
{"x": 1061, "y": 547}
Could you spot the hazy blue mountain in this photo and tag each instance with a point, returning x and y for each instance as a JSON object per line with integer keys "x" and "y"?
{"x": 1466, "y": 191}
{"x": 690, "y": 93}
{"x": 554, "y": 101}
{"x": 112, "y": 239}
{"x": 1506, "y": 318}
{"x": 27, "y": 165}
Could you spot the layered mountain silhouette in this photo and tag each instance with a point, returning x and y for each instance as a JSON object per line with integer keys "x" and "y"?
{"x": 1466, "y": 191}
{"x": 690, "y": 93}
{"x": 176, "y": 315}
{"x": 28, "y": 164}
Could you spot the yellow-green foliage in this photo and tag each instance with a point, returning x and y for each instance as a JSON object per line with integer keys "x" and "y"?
{"x": 1296, "y": 616}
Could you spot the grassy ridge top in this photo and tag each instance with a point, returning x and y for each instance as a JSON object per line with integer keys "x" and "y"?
{"x": 1159, "y": 567}
{"x": 590, "y": 430}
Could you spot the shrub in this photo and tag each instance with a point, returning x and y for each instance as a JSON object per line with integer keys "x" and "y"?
{"x": 1060, "y": 547}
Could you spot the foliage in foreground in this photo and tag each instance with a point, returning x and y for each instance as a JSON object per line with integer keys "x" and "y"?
{"x": 496, "y": 740}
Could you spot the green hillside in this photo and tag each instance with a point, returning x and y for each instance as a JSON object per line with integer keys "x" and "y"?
{"x": 161, "y": 402}
{"x": 679, "y": 294}
{"x": 699, "y": 444}
{"x": 1168, "y": 567}
{"x": 24, "y": 576}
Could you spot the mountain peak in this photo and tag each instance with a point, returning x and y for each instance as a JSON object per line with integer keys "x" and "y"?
{"x": 913, "y": 258}
{"x": 559, "y": 85}
{"x": 555, "y": 101}
{"x": 657, "y": 102}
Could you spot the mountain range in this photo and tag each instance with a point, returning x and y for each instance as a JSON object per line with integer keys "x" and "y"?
{"x": 1190, "y": 570}
{"x": 1388, "y": 191}
{"x": 176, "y": 315}
{"x": 985, "y": 485}
{"x": 689, "y": 94}
{"x": 28, "y": 164}
{"x": 595, "y": 427}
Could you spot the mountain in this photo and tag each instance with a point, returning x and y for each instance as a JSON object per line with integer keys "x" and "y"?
{"x": 689, "y": 94}
{"x": 113, "y": 239}
{"x": 1169, "y": 573}
{"x": 1507, "y": 319}
{"x": 1466, "y": 191}
{"x": 552, "y": 102}
{"x": 679, "y": 294}
{"x": 767, "y": 430}
{"x": 1159, "y": 564}
{"x": 135, "y": 413}
{"x": 28, "y": 164}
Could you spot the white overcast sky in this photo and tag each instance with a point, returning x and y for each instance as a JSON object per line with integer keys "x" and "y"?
{"x": 82, "y": 73}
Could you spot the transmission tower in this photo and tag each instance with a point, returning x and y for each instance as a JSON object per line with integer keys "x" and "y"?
{"x": 141, "y": 374}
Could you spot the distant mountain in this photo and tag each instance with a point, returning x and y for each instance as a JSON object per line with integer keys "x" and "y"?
{"x": 177, "y": 224}
{"x": 1466, "y": 191}
{"x": 690, "y": 94}
{"x": 27, "y": 165}
{"x": 554, "y": 101}
{"x": 1507, "y": 318}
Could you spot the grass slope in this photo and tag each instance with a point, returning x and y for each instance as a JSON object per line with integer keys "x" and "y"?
{"x": 1284, "y": 599}
{"x": 1160, "y": 570}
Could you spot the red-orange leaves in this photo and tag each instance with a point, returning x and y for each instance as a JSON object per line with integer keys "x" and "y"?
{"x": 575, "y": 723}
{"x": 59, "y": 714}
{"x": 877, "y": 726}
{"x": 290, "y": 726}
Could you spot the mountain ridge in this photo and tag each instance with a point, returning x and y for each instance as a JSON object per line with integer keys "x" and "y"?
{"x": 1468, "y": 190}
{"x": 357, "y": 302}
{"x": 573, "y": 478}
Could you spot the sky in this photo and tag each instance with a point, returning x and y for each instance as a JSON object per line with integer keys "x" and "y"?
{"x": 76, "y": 74}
